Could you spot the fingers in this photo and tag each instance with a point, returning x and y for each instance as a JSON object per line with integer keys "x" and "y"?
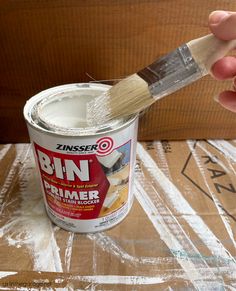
{"x": 224, "y": 68}
{"x": 227, "y": 99}
{"x": 223, "y": 24}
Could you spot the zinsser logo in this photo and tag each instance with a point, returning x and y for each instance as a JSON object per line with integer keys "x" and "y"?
{"x": 103, "y": 146}
{"x": 77, "y": 148}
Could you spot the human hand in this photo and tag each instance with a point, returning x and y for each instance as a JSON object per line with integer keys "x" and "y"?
{"x": 223, "y": 25}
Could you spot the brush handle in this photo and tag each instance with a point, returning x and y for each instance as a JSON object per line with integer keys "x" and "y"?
{"x": 209, "y": 49}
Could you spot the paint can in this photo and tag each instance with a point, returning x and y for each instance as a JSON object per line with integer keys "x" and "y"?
{"x": 86, "y": 172}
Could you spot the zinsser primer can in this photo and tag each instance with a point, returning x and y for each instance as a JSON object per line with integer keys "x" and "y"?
{"x": 86, "y": 172}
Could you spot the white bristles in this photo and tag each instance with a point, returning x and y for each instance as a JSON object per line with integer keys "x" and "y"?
{"x": 129, "y": 96}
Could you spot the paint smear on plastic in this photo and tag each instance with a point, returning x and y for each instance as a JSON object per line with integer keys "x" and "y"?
{"x": 29, "y": 225}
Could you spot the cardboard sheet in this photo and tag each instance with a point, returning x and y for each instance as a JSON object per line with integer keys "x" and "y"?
{"x": 179, "y": 235}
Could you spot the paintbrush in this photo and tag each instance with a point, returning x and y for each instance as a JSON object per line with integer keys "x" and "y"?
{"x": 166, "y": 75}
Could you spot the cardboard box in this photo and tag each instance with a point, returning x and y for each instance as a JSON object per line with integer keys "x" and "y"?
{"x": 49, "y": 43}
{"x": 180, "y": 233}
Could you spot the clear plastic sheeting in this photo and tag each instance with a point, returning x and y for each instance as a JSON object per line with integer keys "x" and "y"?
{"x": 180, "y": 233}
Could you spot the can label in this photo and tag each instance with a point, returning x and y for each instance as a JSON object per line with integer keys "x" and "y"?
{"x": 87, "y": 185}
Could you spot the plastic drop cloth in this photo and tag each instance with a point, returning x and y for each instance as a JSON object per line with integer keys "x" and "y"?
{"x": 179, "y": 235}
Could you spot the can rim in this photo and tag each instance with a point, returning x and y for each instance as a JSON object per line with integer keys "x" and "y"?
{"x": 30, "y": 109}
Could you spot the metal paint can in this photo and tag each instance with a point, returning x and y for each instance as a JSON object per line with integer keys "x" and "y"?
{"x": 86, "y": 172}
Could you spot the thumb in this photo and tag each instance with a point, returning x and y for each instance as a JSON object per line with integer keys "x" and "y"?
{"x": 223, "y": 24}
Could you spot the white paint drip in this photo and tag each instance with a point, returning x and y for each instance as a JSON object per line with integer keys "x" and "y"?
{"x": 225, "y": 147}
{"x": 161, "y": 154}
{"x": 68, "y": 252}
{"x": 225, "y": 219}
{"x": 182, "y": 207}
{"x": 20, "y": 154}
{"x": 94, "y": 257}
{"x": 6, "y": 274}
{"x": 29, "y": 225}
{"x": 126, "y": 280}
{"x": 109, "y": 245}
{"x": 147, "y": 280}
{"x": 5, "y": 148}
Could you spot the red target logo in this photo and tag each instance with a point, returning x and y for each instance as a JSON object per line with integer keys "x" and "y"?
{"x": 105, "y": 145}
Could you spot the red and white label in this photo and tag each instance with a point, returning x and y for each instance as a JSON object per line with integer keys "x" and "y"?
{"x": 75, "y": 186}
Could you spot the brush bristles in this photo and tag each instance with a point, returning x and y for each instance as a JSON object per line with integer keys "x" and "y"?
{"x": 127, "y": 97}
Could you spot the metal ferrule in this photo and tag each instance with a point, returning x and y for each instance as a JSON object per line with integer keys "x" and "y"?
{"x": 171, "y": 72}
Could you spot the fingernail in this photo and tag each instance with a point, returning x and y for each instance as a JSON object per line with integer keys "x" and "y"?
{"x": 216, "y": 98}
{"x": 217, "y": 16}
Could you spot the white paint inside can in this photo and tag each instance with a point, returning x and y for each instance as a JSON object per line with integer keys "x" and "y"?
{"x": 67, "y": 110}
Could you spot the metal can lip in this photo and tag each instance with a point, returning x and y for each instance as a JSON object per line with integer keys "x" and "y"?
{"x": 34, "y": 110}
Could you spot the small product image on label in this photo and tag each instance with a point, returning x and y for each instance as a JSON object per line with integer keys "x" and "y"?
{"x": 116, "y": 166}
{"x": 85, "y": 186}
